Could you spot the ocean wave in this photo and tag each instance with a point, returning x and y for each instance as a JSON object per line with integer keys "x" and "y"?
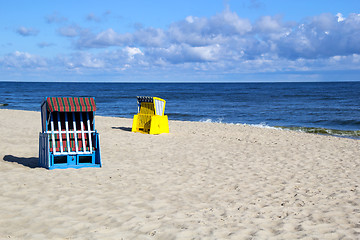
{"x": 220, "y": 120}
{"x": 322, "y": 131}
{"x": 209, "y": 120}
{"x": 325, "y": 131}
{"x": 259, "y": 125}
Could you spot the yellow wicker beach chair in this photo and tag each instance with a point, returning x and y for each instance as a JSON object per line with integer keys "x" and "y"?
{"x": 150, "y": 118}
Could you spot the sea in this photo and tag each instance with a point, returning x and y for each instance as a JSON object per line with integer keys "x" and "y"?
{"x": 329, "y": 108}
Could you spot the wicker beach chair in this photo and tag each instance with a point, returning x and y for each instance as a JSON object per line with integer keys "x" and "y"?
{"x": 69, "y": 138}
{"x": 150, "y": 118}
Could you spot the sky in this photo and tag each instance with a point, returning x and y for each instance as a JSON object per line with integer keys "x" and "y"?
{"x": 180, "y": 41}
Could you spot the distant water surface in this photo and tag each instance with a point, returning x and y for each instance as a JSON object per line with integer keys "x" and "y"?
{"x": 326, "y": 108}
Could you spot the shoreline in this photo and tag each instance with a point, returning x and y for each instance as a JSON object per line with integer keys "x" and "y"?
{"x": 350, "y": 134}
{"x": 202, "y": 181}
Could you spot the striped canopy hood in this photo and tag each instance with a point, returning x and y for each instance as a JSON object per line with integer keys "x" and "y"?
{"x": 71, "y": 104}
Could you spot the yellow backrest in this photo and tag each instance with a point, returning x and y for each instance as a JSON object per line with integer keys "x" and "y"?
{"x": 151, "y": 105}
{"x": 147, "y": 108}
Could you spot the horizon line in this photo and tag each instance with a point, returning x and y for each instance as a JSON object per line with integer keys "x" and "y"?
{"x": 316, "y": 81}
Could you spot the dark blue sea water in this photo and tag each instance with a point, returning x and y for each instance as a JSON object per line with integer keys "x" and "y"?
{"x": 311, "y": 107}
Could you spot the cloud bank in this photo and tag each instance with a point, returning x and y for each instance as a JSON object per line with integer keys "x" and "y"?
{"x": 236, "y": 38}
{"x": 222, "y": 44}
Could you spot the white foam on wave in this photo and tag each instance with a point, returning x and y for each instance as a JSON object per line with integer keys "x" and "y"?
{"x": 259, "y": 125}
{"x": 209, "y": 120}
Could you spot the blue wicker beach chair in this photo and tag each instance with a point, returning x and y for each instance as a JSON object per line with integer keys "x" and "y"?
{"x": 68, "y": 138}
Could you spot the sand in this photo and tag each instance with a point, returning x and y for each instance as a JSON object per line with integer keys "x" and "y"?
{"x": 200, "y": 181}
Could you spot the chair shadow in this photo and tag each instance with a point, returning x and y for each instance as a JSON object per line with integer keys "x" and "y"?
{"x": 31, "y": 162}
{"x": 127, "y": 129}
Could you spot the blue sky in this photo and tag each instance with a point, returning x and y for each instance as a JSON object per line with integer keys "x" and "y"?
{"x": 180, "y": 41}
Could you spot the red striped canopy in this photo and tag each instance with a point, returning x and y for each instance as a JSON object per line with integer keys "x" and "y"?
{"x": 71, "y": 104}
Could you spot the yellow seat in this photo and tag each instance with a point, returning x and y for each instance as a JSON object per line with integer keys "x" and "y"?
{"x": 150, "y": 118}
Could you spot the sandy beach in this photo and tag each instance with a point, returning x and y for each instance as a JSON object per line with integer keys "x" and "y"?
{"x": 200, "y": 181}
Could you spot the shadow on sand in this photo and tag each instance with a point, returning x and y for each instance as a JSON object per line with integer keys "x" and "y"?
{"x": 31, "y": 162}
{"x": 127, "y": 129}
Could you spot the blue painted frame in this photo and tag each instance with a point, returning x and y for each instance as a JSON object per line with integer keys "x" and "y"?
{"x": 46, "y": 157}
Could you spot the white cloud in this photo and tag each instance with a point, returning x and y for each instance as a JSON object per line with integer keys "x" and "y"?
{"x": 23, "y": 31}
{"x": 268, "y": 24}
{"x": 189, "y": 19}
{"x": 69, "y": 31}
{"x": 103, "y": 39}
{"x": 83, "y": 60}
{"x": 340, "y": 17}
{"x": 92, "y": 17}
{"x": 22, "y": 60}
{"x": 45, "y": 44}
{"x": 149, "y": 37}
{"x": 109, "y": 36}
{"x": 55, "y": 18}
{"x": 204, "y": 54}
{"x": 131, "y": 52}
{"x": 324, "y": 36}
{"x": 229, "y": 23}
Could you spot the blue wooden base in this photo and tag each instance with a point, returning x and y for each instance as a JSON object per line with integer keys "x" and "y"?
{"x": 73, "y": 161}
{"x": 61, "y": 166}
{"x": 50, "y": 161}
